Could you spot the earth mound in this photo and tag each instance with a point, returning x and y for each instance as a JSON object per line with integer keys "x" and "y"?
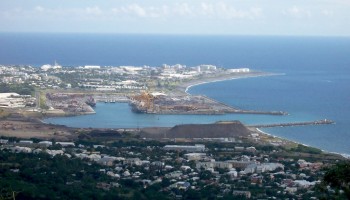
{"x": 217, "y": 130}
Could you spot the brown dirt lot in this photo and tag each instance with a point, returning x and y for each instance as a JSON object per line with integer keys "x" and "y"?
{"x": 33, "y": 129}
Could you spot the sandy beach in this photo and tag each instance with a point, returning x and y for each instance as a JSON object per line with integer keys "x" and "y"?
{"x": 185, "y": 86}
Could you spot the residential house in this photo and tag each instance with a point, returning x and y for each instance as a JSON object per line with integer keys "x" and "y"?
{"x": 245, "y": 194}
{"x": 195, "y": 148}
{"x": 132, "y": 161}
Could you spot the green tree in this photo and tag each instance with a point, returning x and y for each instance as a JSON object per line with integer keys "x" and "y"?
{"x": 205, "y": 175}
{"x": 338, "y": 176}
{"x": 192, "y": 194}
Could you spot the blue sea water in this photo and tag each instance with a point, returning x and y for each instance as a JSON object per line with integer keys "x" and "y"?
{"x": 316, "y": 84}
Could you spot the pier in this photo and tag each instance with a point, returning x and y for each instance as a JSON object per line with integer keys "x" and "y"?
{"x": 186, "y": 104}
{"x": 318, "y": 122}
{"x": 259, "y": 112}
{"x": 231, "y": 109}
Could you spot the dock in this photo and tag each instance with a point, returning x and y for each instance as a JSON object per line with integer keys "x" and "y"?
{"x": 318, "y": 122}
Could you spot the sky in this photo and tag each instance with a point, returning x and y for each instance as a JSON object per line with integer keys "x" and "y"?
{"x": 207, "y": 17}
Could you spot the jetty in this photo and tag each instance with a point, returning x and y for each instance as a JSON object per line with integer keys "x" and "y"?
{"x": 318, "y": 122}
{"x": 259, "y": 112}
{"x": 230, "y": 109}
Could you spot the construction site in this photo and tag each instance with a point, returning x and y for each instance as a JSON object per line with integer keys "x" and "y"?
{"x": 160, "y": 103}
{"x": 70, "y": 103}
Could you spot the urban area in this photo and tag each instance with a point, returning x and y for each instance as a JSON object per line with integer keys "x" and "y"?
{"x": 58, "y": 90}
{"x": 211, "y": 168}
{"x": 225, "y": 160}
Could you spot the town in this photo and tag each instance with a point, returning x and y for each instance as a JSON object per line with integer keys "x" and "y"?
{"x": 251, "y": 166}
{"x": 217, "y": 169}
{"x": 107, "y": 78}
{"x": 60, "y": 91}
{"x": 223, "y": 160}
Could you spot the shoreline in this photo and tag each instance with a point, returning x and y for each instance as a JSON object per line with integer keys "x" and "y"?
{"x": 344, "y": 155}
{"x": 208, "y": 80}
{"x": 347, "y": 156}
{"x": 186, "y": 86}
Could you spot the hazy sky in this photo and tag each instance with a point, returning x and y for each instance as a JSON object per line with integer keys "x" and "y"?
{"x": 229, "y": 17}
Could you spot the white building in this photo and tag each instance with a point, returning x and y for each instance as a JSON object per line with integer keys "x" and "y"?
{"x": 304, "y": 183}
{"x": 18, "y": 149}
{"x": 3, "y": 141}
{"x": 66, "y": 144}
{"x": 206, "y": 68}
{"x": 46, "y": 143}
{"x": 239, "y": 70}
{"x": 264, "y": 167}
{"x": 133, "y": 161}
{"x": 175, "y": 174}
{"x": 185, "y": 168}
{"x": 92, "y": 67}
{"x": 25, "y": 142}
{"x": 232, "y": 173}
{"x": 11, "y": 100}
{"x": 291, "y": 190}
{"x": 195, "y": 156}
{"x": 48, "y": 66}
{"x": 210, "y": 165}
{"x": 54, "y": 152}
{"x": 195, "y": 148}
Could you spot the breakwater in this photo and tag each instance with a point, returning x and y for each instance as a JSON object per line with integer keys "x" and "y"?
{"x": 231, "y": 109}
{"x": 259, "y": 112}
{"x": 318, "y": 122}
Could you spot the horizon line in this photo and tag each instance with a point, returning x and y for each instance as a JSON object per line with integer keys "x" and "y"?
{"x": 173, "y": 34}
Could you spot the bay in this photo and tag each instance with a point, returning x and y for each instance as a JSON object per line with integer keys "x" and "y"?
{"x": 316, "y": 84}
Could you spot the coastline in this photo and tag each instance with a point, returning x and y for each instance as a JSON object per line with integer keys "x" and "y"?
{"x": 212, "y": 80}
{"x": 344, "y": 155}
{"x": 186, "y": 86}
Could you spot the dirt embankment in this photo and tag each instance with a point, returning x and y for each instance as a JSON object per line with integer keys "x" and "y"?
{"x": 32, "y": 128}
{"x": 217, "y": 130}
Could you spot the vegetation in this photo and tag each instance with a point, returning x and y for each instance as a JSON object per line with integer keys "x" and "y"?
{"x": 39, "y": 176}
{"x": 3, "y": 113}
{"x": 305, "y": 149}
{"x": 23, "y": 89}
{"x": 338, "y": 177}
{"x": 43, "y": 101}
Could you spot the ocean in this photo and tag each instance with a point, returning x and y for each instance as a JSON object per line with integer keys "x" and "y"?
{"x": 315, "y": 84}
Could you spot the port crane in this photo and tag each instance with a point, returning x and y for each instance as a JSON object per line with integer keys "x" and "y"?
{"x": 145, "y": 100}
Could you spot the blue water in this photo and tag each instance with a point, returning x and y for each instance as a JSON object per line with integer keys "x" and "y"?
{"x": 316, "y": 84}
{"x": 119, "y": 116}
